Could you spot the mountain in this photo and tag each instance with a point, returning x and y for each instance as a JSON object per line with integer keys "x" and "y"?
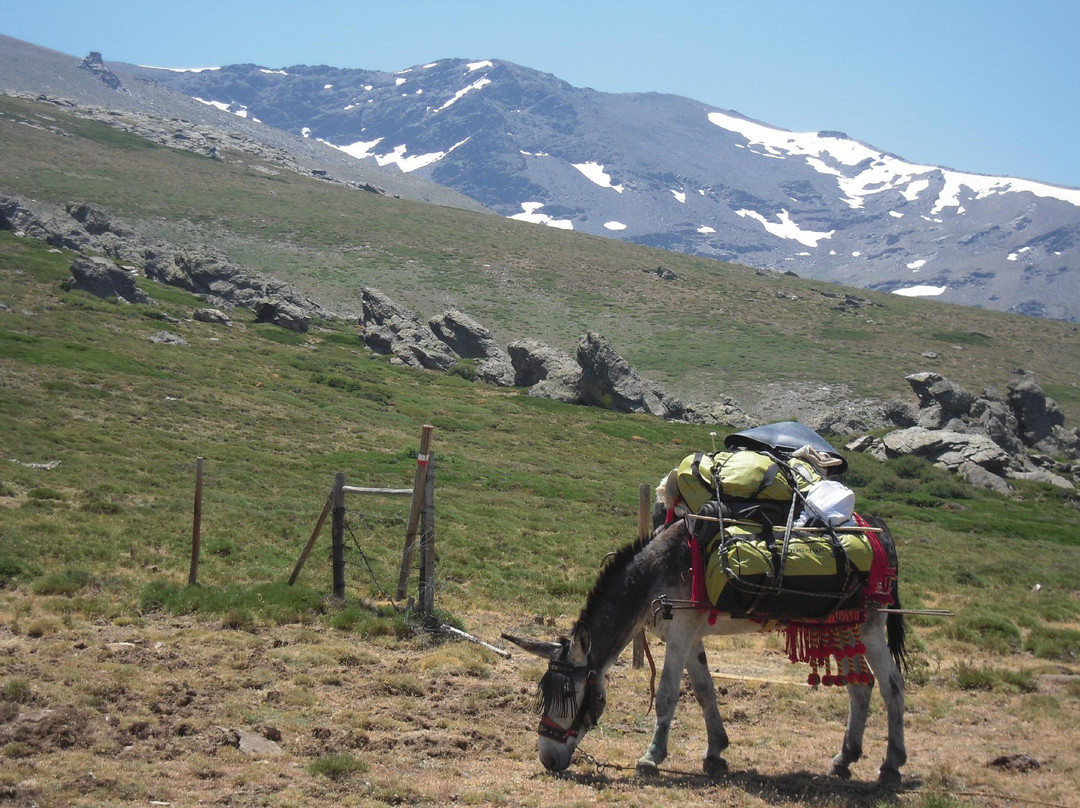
{"x": 139, "y": 104}
{"x": 671, "y": 172}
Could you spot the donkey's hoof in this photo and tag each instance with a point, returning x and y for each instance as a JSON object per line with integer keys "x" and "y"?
{"x": 841, "y": 771}
{"x": 714, "y": 766}
{"x": 889, "y": 779}
{"x": 647, "y": 767}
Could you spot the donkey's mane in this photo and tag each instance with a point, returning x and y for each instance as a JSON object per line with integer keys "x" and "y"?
{"x": 611, "y": 574}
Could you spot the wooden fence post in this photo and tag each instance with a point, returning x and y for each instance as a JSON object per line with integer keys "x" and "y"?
{"x": 338, "y": 540}
{"x": 196, "y": 527}
{"x": 644, "y": 529}
{"x": 419, "y": 486}
{"x": 427, "y": 542}
{"x": 314, "y": 535}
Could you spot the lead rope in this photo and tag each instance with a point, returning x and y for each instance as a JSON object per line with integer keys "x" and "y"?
{"x": 652, "y": 669}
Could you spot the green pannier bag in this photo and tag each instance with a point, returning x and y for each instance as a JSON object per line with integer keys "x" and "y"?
{"x": 742, "y": 569}
{"x": 739, "y": 475}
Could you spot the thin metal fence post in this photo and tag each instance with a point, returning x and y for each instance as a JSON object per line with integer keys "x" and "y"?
{"x": 338, "y": 524}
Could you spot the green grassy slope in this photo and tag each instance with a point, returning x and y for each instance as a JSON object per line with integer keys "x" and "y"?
{"x": 718, "y": 329}
{"x": 530, "y": 494}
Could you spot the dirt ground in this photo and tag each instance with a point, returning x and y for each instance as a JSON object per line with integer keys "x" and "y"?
{"x": 181, "y": 712}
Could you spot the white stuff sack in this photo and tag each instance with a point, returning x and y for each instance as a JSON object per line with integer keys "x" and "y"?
{"x": 831, "y": 502}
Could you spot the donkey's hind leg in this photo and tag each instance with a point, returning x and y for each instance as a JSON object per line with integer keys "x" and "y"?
{"x": 891, "y": 685}
{"x": 705, "y": 692}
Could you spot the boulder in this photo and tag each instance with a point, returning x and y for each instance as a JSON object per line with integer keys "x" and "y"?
{"x": 464, "y": 336}
{"x": 280, "y": 312}
{"x": 975, "y": 457}
{"x": 1036, "y": 414}
{"x": 547, "y": 372}
{"x": 608, "y": 381}
{"x": 102, "y": 278}
{"x": 392, "y": 329}
{"x": 168, "y": 338}
{"x": 934, "y": 389}
{"x": 726, "y": 411}
{"x": 212, "y": 316}
{"x": 470, "y": 340}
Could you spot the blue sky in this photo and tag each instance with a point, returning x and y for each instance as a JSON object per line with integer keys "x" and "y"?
{"x": 985, "y": 86}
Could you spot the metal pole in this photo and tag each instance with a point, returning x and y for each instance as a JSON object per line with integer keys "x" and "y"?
{"x": 196, "y": 527}
{"x": 338, "y": 523}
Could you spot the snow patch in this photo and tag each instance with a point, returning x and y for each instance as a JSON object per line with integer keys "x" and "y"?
{"x": 614, "y": 225}
{"x": 306, "y": 131}
{"x": 862, "y": 171}
{"x": 476, "y": 85}
{"x": 680, "y": 195}
{"x": 328, "y": 86}
{"x": 241, "y": 111}
{"x": 705, "y": 229}
{"x": 530, "y": 213}
{"x": 399, "y": 82}
{"x": 594, "y": 172}
{"x": 181, "y": 69}
{"x": 917, "y": 265}
{"x": 219, "y": 104}
{"x": 786, "y": 228}
{"x": 896, "y": 215}
{"x": 364, "y": 149}
{"x": 920, "y": 291}
{"x": 273, "y": 72}
{"x": 478, "y": 65}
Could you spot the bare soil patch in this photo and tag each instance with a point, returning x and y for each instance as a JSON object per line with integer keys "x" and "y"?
{"x": 165, "y": 711}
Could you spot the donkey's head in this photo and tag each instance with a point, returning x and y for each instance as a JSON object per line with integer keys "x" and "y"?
{"x": 570, "y": 697}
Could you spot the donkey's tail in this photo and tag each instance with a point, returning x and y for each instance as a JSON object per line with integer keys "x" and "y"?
{"x": 896, "y": 633}
{"x": 895, "y": 628}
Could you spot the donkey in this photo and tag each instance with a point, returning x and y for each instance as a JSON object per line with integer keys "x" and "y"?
{"x": 630, "y": 594}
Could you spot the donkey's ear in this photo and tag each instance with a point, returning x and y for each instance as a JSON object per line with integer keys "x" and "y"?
{"x": 581, "y": 643}
{"x": 545, "y": 650}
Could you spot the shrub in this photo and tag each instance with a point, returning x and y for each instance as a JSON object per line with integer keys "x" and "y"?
{"x": 68, "y": 583}
{"x": 17, "y": 689}
{"x": 989, "y": 632}
{"x": 1054, "y": 643}
{"x": 338, "y": 766}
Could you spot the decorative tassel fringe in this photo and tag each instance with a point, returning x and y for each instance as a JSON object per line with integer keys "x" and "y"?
{"x": 837, "y": 638}
{"x": 882, "y": 576}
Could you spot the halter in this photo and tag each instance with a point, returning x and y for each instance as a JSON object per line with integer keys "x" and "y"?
{"x": 587, "y": 714}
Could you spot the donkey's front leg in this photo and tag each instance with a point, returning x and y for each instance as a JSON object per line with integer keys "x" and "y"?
{"x": 705, "y": 693}
{"x": 667, "y": 697}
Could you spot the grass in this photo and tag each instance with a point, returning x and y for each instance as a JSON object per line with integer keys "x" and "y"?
{"x": 530, "y": 493}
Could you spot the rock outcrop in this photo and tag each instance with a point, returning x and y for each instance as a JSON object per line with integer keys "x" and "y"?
{"x": 201, "y": 270}
{"x": 608, "y": 381}
{"x": 470, "y": 340}
{"x": 988, "y": 439}
{"x": 104, "y": 279}
{"x": 392, "y": 329}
